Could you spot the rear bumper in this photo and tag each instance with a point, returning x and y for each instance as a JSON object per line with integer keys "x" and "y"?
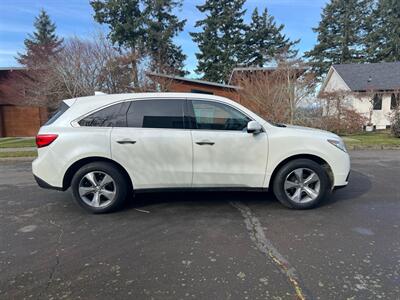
{"x": 45, "y": 185}
{"x": 46, "y": 169}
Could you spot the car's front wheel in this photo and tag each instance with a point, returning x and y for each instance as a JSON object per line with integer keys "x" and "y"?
{"x": 99, "y": 187}
{"x": 301, "y": 184}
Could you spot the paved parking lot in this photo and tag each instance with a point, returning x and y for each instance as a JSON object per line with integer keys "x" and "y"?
{"x": 204, "y": 245}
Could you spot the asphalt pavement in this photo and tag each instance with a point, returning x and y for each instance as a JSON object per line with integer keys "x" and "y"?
{"x": 204, "y": 245}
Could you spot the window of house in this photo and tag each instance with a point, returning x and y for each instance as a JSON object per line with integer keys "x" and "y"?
{"x": 111, "y": 116}
{"x": 217, "y": 116}
{"x": 394, "y": 102}
{"x": 156, "y": 114}
{"x": 377, "y": 102}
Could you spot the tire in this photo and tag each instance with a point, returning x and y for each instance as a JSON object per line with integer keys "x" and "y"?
{"x": 99, "y": 187}
{"x": 305, "y": 193}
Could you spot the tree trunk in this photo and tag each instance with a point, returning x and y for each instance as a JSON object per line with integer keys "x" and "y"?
{"x": 135, "y": 76}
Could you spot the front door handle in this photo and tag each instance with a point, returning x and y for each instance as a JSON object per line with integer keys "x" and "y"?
{"x": 202, "y": 143}
{"x": 125, "y": 142}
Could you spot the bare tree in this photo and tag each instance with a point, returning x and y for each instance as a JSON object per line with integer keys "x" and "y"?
{"x": 300, "y": 84}
{"x": 82, "y": 67}
{"x": 395, "y": 114}
{"x": 338, "y": 115}
{"x": 395, "y": 123}
{"x": 372, "y": 97}
{"x": 277, "y": 93}
{"x": 86, "y": 66}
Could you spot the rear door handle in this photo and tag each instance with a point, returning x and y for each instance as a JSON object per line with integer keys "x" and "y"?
{"x": 202, "y": 143}
{"x": 125, "y": 142}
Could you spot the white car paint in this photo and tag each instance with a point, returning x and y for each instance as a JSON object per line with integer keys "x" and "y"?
{"x": 236, "y": 159}
{"x": 170, "y": 158}
{"x": 160, "y": 158}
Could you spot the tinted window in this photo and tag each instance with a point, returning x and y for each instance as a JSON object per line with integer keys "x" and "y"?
{"x": 377, "y": 102}
{"x": 62, "y": 109}
{"x": 112, "y": 116}
{"x": 216, "y": 116}
{"x": 156, "y": 114}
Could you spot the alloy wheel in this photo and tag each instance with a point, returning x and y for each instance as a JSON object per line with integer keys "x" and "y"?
{"x": 302, "y": 185}
{"x": 97, "y": 189}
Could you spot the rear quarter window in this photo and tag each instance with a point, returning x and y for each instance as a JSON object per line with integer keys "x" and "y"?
{"x": 111, "y": 116}
{"x": 62, "y": 109}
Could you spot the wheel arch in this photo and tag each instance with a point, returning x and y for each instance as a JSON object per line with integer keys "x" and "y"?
{"x": 69, "y": 174}
{"x": 312, "y": 157}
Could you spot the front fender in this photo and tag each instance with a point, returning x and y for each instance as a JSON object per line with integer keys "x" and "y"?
{"x": 285, "y": 148}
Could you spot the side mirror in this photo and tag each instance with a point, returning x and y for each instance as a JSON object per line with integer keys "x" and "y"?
{"x": 254, "y": 127}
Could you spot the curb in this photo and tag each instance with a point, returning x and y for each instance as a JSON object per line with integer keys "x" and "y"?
{"x": 22, "y": 158}
{"x": 21, "y": 149}
{"x": 372, "y": 147}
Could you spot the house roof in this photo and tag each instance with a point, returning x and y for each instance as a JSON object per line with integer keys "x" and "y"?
{"x": 11, "y": 68}
{"x": 196, "y": 81}
{"x": 377, "y": 76}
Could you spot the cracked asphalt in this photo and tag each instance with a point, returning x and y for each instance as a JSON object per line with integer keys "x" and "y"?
{"x": 204, "y": 245}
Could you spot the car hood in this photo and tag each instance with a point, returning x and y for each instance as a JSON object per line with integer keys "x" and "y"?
{"x": 311, "y": 131}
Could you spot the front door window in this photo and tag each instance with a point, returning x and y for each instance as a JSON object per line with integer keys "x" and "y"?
{"x": 216, "y": 116}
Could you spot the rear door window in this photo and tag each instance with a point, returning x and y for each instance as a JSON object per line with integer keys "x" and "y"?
{"x": 168, "y": 113}
{"x": 111, "y": 116}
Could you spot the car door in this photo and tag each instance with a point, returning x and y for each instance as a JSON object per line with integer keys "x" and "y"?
{"x": 224, "y": 154}
{"x": 155, "y": 147}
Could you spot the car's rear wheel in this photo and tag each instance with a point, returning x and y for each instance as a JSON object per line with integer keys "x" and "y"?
{"x": 301, "y": 184}
{"x": 99, "y": 187}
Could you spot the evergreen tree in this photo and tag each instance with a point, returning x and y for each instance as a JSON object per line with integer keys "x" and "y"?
{"x": 340, "y": 35}
{"x": 125, "y": 20}
{"x": 42, "y": 45}
{"x": 264, "y": 40}
{"x": 220, "y": 40}
{"x": 147, "y": 29}
{"x": 162, "y": 26}
{"x": 383, "y": 40}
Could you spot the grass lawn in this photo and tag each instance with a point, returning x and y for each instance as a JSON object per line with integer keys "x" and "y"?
{"x": 379, "y": 138}
{"x": 18, "y": 154}
{"x": 17, "y": 142}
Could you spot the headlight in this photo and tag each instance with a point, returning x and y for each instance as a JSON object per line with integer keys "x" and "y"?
{"x": 339, "y": 144}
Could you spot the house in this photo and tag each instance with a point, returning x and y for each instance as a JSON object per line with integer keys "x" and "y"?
{"x": 371, "y": 89}
{"x": 17, "y": 119}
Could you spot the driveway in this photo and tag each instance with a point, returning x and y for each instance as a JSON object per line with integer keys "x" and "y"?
{"x": 204, "y": 245}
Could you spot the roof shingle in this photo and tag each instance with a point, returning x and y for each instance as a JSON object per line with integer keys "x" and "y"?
{"x": 377, "y": 76}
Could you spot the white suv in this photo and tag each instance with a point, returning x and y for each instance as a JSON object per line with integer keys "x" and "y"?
{"x": 104, "y": 147}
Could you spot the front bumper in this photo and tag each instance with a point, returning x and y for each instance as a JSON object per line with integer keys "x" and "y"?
{"x": 338, "y": 187}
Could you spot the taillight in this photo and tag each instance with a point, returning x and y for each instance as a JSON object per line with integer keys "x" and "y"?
{"x": 43, "y": 140}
